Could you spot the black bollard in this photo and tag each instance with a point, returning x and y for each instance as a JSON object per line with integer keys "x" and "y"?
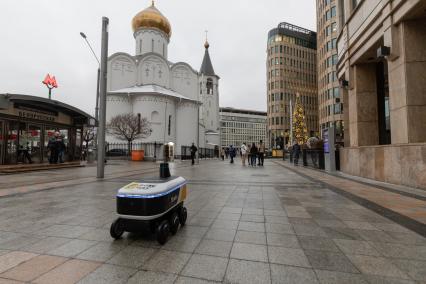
{"x": 164, "y": 170}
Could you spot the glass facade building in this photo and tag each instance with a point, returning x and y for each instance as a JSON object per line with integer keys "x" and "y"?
{"x": 329, "y": 97}
{"x": 291, "y": 70}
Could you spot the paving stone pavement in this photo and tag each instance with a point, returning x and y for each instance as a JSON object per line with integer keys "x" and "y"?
{"x": 246, "y": 225}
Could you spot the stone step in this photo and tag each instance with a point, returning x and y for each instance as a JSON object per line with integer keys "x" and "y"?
{"x": 10, "y": 169}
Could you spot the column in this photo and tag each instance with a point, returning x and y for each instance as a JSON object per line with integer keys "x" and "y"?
{"x": 407, "y": 82}
{"x": 362, "y": 105}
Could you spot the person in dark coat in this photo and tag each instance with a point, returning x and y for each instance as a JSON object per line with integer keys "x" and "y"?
{"x": 60, "y": 145}
{"x": 193, "y": 151}
{"x": 253, "y": 152}
{"x": 261, "y": 153}
{"x": 52, "y": 148}
{"x": 296, "y": 153}
{"x": 232, "y": 153}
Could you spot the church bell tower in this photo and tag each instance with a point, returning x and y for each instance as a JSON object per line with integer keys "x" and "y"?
{"x": 209, "y": 96}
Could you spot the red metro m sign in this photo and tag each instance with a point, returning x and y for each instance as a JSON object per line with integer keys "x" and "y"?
{"x": 50, "y": 83}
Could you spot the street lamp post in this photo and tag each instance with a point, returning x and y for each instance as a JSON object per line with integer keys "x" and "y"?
{"x": 83, "y": 35}
{"x": 102, "y": 98}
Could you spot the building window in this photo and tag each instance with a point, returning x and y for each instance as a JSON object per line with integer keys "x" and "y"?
{"x": 209, "y": 86}
{"x": 333, "y": 11}
{"x": 155, "y": 116}
{"x": 152, "y": 45}
{"x": 170, "y": 125}
{"x": 140, "y": 46}
{"x": 334, "y": 27}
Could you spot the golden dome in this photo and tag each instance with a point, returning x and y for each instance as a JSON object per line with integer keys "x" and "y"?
{"x": 151, "y": 17}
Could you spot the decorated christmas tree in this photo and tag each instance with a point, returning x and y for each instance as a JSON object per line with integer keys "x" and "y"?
{"x": 300, "y": 131}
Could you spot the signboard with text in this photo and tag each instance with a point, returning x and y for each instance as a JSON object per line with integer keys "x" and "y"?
{"x": 326, "y": 140}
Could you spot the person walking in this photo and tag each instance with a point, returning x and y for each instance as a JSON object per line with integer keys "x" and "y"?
{"x": 27, "y": 153}
{"x": 243, "y": 153}
{"x": 296, "y": 153}
{"x": 222, "y": 154}
{"x": 194, "y": 150}
{"x": 232, "y": 153}
{"x": 249, "y": 154}
{"x": 253, "y": 153}
{"x": 51, "y": 147}
{"x": 60, "y": 148}
{"x": 261, "y": 153}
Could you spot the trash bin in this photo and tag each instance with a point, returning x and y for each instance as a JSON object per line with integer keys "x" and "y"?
{"x": 138, "y": 155}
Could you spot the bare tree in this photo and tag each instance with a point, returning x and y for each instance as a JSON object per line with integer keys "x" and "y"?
{"x": 129, "y": 127}
{"x": 88, "y": 136}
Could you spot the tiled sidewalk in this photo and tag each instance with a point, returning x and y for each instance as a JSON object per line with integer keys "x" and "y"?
{"x": 407, "y": 205}
{"x": 261, "y": 225}
{"x": 52, "y": 179}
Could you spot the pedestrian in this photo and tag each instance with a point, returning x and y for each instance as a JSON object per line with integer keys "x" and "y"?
{"x": 60, "y": 148}
{"x": 27, "y": 153}
{"x": 193, "y": 151}
{"x": 296, "y": 153}
{"x": 243, "y": 153}
{"x": 227, "y": 153}
{"x": 261, "y": 153}
{"x": 249, "y": 154}
{"x": 232, "y": 153}
{"x": 222, "y": 153}
{"x": 54, "y": 148}
{"x": 253, "y": 152}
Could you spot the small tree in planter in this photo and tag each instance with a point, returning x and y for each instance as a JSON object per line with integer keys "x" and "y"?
{"x": 129, "y": 127}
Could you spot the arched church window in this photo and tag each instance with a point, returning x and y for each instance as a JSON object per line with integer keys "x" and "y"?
{"x": 170, "y": 125}
{"x": 155, "y": 116}
{"x": 152, "y": 45}
{"x": 209, "y": 86}
{"x": 140, "y": 46}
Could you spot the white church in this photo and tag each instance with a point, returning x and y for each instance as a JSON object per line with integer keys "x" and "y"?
{"x": 174, "y": 97}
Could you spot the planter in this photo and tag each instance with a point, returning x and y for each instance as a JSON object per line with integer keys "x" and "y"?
{"x": 138, "y": 155}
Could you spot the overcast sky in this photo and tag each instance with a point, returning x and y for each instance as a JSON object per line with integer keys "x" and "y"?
{"x": 40, "y": 37}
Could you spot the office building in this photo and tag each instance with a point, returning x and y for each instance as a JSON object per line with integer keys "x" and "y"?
{"x": 291, "y": 70}
{"x": 382, "y": 70}
{"x": 330, "y": 109}
{"x": 239, "y": 126}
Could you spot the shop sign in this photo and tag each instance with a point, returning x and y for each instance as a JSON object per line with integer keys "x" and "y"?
{"x": 30, "y": 113}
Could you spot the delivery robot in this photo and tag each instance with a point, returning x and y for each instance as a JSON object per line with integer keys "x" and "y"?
{"x": 156, "y": 202}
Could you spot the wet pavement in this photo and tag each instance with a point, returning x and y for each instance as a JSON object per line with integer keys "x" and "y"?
{"x": 246, "y": 225}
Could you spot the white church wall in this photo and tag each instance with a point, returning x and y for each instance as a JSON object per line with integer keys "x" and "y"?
{"x": 153, "y": 69}
{"x": 187, "y": 126}
{"x": 122, "y": 72}
{"x": 212, "y": 140}
{"x": 151, "y": 40}
{"x": 184, "y": 80}
{"x": 202, "y": 136}
{"x": 116, "y": 105}
{"x": 157, "y": 110}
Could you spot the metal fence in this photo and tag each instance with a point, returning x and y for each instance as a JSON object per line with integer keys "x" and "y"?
{"x": 122, "y": 149}
{"x": 154, "y": 150}
{"x": 204, "y": 153}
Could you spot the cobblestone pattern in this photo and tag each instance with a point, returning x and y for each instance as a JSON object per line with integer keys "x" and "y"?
{"x": 246, "y": 225}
